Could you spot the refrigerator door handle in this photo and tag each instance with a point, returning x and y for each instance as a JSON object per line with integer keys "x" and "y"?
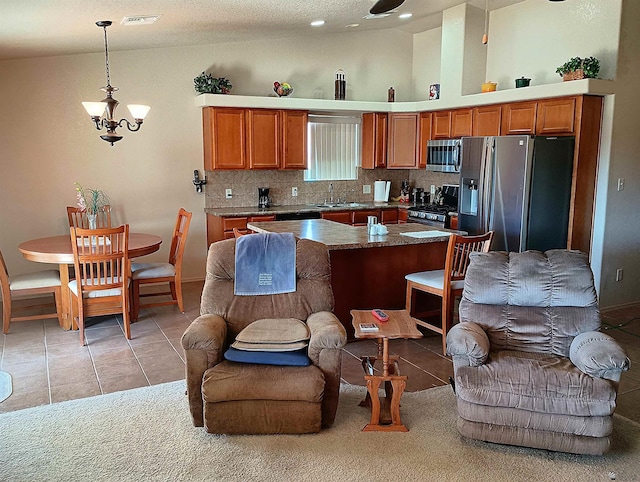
{"x": 486, "y": 183}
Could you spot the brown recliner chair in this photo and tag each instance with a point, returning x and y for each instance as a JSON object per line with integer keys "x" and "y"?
{"x": 530, "y": 366}
{"x": 233, "y": 398}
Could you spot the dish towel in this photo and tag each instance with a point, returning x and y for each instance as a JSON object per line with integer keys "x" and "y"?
{"x": 265, "y": 264}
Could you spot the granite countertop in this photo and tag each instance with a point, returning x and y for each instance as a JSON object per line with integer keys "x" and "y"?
{"x": 301, "y": 208}
{"x": 343, "y": 236}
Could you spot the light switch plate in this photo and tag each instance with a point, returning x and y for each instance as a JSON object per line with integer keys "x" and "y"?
{"x": 294, "y": 191}
{"x": 366, "y": 189}
{"x": 228, "y": 194}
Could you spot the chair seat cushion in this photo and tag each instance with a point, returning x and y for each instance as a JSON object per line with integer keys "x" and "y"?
{"x": 41, "y": 279}
{"x": 152, "y": 270}
{"x": 277, "y": 334}
{"x": 535, "y": 382}
{"x": 229, "y": 381}
{"x": 73, "y": 286}
{"x": 433, "y": 279}
{"x": 296, "y": 358}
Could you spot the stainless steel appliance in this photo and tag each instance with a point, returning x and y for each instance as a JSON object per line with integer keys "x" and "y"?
{"x": 436, "y": 214}
{"x": 443, "y": 155}
{"x": 519, "y": 187}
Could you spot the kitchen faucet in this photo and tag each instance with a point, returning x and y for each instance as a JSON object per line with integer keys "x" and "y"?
{"x": 331, "y": 192}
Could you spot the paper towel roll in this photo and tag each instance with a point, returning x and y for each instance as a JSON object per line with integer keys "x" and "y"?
{"x": 380, "y": 191}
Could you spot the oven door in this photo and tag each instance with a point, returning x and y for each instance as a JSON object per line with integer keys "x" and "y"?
{"x": 428, "y": 222}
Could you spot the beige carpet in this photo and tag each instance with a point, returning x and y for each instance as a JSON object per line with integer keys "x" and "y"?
{"x": 146, "y": 435}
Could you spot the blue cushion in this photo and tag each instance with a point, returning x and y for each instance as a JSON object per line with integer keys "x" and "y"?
{"x": 296, "y": 358}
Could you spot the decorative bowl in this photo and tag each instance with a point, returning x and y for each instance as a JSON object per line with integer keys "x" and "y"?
{"x": 489, "y": 86}
{"x": 282, "y": 89}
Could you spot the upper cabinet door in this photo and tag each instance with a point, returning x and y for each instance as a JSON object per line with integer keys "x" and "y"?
{"x": 263, "y": 138}
{"x": 425, "y": 137}
{"x": 486, "y": 120}
{"x": 402, "y": 149}
{"x": 374, "y": 140}
{"x": 441, "y": 125}
{"x": 461, "y": 123}
{"x": 224, "y": 138}
{"x": 557, "y": 116}
{"x": 519, "y": 118}
{"x": 294, "y": 139}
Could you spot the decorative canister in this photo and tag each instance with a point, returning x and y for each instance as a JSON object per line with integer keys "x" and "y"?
{"x": 489, "y": 86}
{"x": 522, "y": 82}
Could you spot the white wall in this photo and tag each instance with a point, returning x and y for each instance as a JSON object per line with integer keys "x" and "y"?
{"x": 426, "y": 61}
{"x": 534, "y": 37}
{"x": 47, "y": 141}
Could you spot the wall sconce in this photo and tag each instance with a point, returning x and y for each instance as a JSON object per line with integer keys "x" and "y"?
{"x": 197, "y": 182}
{"x": 109, "y": 104}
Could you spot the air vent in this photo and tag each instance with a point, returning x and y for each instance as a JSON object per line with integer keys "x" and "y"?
{"x": 140, "y": 19}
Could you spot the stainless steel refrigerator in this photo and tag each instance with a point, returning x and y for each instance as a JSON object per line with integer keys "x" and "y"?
{"x": 519, "y": 187}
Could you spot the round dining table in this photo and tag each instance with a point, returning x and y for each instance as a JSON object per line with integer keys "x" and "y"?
{"x": 58, "y": 250}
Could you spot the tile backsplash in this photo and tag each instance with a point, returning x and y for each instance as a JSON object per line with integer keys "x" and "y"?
{"x": 244, "y": 186}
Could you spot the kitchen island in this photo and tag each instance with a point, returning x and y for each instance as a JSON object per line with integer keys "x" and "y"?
{"x": 368, "y": 271}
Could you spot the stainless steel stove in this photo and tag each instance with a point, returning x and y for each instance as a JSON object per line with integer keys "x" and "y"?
{"x": 431, "y": 214}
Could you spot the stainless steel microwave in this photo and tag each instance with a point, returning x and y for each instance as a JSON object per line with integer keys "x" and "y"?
{"x": 444, "y": 156}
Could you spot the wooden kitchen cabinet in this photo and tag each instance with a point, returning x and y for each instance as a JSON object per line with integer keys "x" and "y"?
{"x": 402, "y": 141}
{"x": 221, "y": 227}
{"x": 374, "y": 140}
{"x": 424, "y": 137}
{"x": 294, "y": 138}
{"x": 359, "y": 218}
{"x": 224, "y": 138}
{"x": 558, "y": 116}
{"x": 441, "y": 124}
{"x": 263, "y": 138}
{"x": 486, "y": 120}
{"x": 343, "y": 217}
{"x": 403, "y": 216}
{"x": 388, "y": 216}
{"x": 519, "y": 118}
{"x": 236, "y": 138}
{"x": 461, "y": 123}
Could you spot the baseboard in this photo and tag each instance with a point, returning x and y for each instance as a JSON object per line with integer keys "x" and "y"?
{"x": 618, "y": 307}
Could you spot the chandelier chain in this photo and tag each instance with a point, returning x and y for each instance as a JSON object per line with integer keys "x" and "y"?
{"x": 106, "y": 56}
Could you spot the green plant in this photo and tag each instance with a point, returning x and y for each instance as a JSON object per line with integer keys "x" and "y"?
{"x": 91, "y": 200}
{"x": 590, "y": 66}
{"x": 208, "y": 84}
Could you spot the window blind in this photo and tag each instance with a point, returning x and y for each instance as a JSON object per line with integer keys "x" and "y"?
{"x": 333, "y": 148}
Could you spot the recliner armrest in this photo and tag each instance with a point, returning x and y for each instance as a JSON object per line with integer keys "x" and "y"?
{"x": 207, "y": 332}
{"x": 598, "y": 355}
{"x": 468, "y": 344}
{"x": 326, "y": 332}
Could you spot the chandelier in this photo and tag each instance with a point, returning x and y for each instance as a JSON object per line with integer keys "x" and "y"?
{"x": 103, "y": 113}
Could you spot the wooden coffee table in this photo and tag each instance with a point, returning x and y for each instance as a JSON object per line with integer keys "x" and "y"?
{"x": 399, "y": 325}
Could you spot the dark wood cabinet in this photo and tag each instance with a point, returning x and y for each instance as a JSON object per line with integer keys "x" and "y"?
{"x": 402, "y": 141}
{"x": 221, "y": 227}
{"x": 343, "y": 217}
{"x": 486, "y": 120}
{"x": 236, "y": 138}
{"x": 519, "y": 118}
{"x": 557, "y": 116}
{"x": 374, "y": 140}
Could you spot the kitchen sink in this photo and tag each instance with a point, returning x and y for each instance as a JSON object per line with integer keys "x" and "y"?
{"x": 339, "y": 205}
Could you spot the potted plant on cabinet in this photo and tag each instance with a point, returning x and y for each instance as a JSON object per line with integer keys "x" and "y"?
{"x": 208, "y": 84}
{"x": 578, "y": 68}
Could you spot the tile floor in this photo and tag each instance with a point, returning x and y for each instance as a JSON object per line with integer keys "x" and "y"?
{"x": 48, "y": 365}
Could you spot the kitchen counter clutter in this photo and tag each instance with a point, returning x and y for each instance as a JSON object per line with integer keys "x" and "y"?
{"x": 300, "y": 208}
{"x": 337, "y": 236}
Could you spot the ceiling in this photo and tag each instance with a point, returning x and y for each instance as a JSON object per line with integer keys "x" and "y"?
{"x": 37, "y": 28}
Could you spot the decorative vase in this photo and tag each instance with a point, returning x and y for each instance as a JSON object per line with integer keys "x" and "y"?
{"x": 93, "y": 221}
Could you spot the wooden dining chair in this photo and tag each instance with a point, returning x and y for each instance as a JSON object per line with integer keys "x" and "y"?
{"x": 154, "y": 273}
{"x": 31, "y": 284}
{"x": 103, "y": 273}
{"x": 446, "y": 283}
{"x": 78, "y": 217}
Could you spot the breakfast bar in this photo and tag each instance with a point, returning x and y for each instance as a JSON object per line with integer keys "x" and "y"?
{"x": 368, "y": 271}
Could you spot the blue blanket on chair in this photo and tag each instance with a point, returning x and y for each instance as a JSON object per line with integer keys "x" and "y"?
{"x": 265, "y": 264}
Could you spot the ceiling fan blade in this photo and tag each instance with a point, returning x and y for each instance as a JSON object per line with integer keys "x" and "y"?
{"x": 383, "y": 6}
